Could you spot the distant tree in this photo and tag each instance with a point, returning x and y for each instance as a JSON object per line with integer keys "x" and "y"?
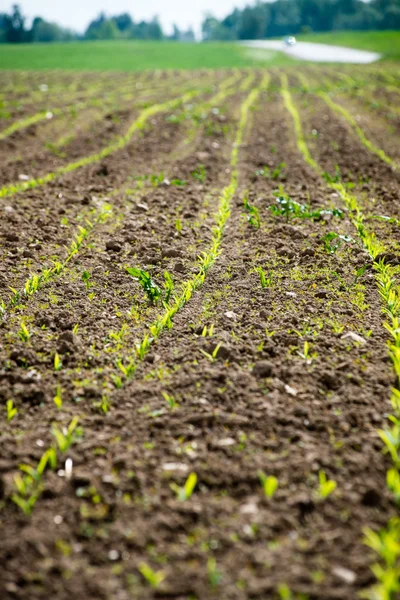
{"x": 14, "y": 26}
{"x": 123, "y": 22}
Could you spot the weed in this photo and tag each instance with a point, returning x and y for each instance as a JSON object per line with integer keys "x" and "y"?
{"x": 333, "y": 241}
{"x": 184, "y": 493}
{"x": 269, "y": 484}
{"x": 253, "y": 214}
{"x": 11, "y": 410}
{"x": 200, "y": 173}
{"x": 152, "y": 290}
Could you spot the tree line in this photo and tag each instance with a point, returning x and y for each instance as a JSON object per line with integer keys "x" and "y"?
{"x": 285, "y": 17}
{"x": 14, "y": 29}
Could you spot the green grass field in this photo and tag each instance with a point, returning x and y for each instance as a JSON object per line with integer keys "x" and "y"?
{"x": 134, "y": 56}
{"x": 385, "y": 42}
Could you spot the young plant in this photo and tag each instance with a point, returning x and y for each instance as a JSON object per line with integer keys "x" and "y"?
{"x": 200, "y": 173}
{"x": 11, "y": 410}
{"x": 269, "y": 484}
{"x": 29, "y": 485}
{"x": 185, "y": 492}
{"x": 86, "y": 276}
{"x": 66, "y": 437}
{"x": 214, "y": 575}
{"x": 24, "y": 333}
{"x": 153, "y": 578}
{"x": 253, "y": 214}
{"x": 170, "y": 400}
{"x": 333, "y": 241}
{"x": 168, "y": 287}
{"x": 326, "y": 486}
{"x": 213, "y": 356}
{"x": 57, "y": 362}
{"x": 264, "y": 281}
{"x": 152, "y": 290}
{"x": 58, "y": 398}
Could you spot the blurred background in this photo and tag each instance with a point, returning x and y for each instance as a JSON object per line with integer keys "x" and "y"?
{"x": 211, "y": 32}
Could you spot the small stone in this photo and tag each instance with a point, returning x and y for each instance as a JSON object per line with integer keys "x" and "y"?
{"x": 226, "y": 442}
{"x": 231, "y": 315}
{"x": 23, "y": 177}
{"x": 291, "y": 294}
{"x": 345, "y": 574}
{"x": 142, "y": 206}
{"x": 354, "y": 337}
{"x": 262, "y": 369}
{"x": 289, "y": 390}
{"x": 175, "y": 468}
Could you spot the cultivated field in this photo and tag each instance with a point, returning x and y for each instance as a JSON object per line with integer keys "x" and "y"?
{"x": 200, "y": 338}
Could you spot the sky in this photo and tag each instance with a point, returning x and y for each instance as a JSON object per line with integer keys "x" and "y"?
{"x": 77, "y": 13}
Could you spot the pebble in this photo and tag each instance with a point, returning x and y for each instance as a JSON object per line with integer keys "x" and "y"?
{"x": 344, "y": 574}
{"x": 231, "y": 315}
{"x": 354, "y": 337}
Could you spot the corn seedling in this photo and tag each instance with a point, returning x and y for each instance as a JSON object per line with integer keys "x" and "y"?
{"x": 11, "y": 410}
{"x": 170, "y": 400}
{"x": 333, "y": 241}
{"x": 178, "y": 225}
{"x": 252, "y": 213}
{"x": 386, "y": 544}
{"x": 326, "y": 486}
{"x": 168, "y": 287}
{"x": 58, "y": 398}
{"x": 212, "y": 357}
{"x": 57, "y": 362}
{"x": 264, "y": 280}
{"x": 29, "y": 484}
{"x": 153, "y": 578}
{"x": 184, "y": 493}
{"x": 24, "y": 333}
{"x": 66, "y": 437}
{"x": 152, "y": 290}
{"x": 128, "y": 369}
{"x": 269, "y": 484}
{"x": 86, "y": 276}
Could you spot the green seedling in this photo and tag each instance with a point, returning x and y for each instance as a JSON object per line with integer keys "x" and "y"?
{"x": 200, "y": 173}
{"x": 157, "y": 180}
{"x": 153, "y": 578}
{"x": 170, "y": 400}
{"x": 326, "y": 486}
{"x": 58, "y": 398}
{"x": 184, "y": 493}
{"x": 57, "y": 362}
{"x": 168, "y": 287}
{"x": 252, "y": 213}
{"x": 391, "y": 438}
{"x": 208, "y": 331}
{"x": 291, "y": 209}
{"x": 86, "y": 276}
{"x": 214, "y": 575}
{"x": 152, "y": 290}
{"x": 66, "y": 437}
{"x": 29, "y": 485}
{"x": 178, "y": 225}
{"x": 269, "y": 484}
{"x": 128, "y": 369}
{"x": 393, "y": 483}
{"x": 213, "y": 356}
{"x": 264, "y": 281}
{"x": 386, "y": 544}
{"x": 119, "y": 335}
{"x": 306, "y": 355}
{"x": 24, "y": 333}
{"x": 336, "y": 178}
{"x": 178, "y": 182}
{"x": 11, "y": 410}
{"x": 103, "y": 405}
{"x": 333, "y": 241}
{"x": 359, "y": 273}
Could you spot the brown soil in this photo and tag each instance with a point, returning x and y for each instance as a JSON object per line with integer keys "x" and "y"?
{"x": 257, "y": 405}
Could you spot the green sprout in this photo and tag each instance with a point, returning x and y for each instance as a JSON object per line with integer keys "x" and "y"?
{"x": 58, "y": 398}
{"x": 11, "y": 410}
{"x": 24, "y": 333}
{"x": 326, "y": 486}
{"x": 153, "y": 578}
{"x": 152, "y": 290}
{"x": 57, "y": 362}
{"x": 264, "y": 281}
{"x": 86, "y": 276}
{"x": 269, "y": 484}
{"x": 66, "y": 437}
{"x": 253, "y": 214}
{"x": 170, "y": 400}
{"x": 200, "y": 173}
{"x": 184, "y": 493}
